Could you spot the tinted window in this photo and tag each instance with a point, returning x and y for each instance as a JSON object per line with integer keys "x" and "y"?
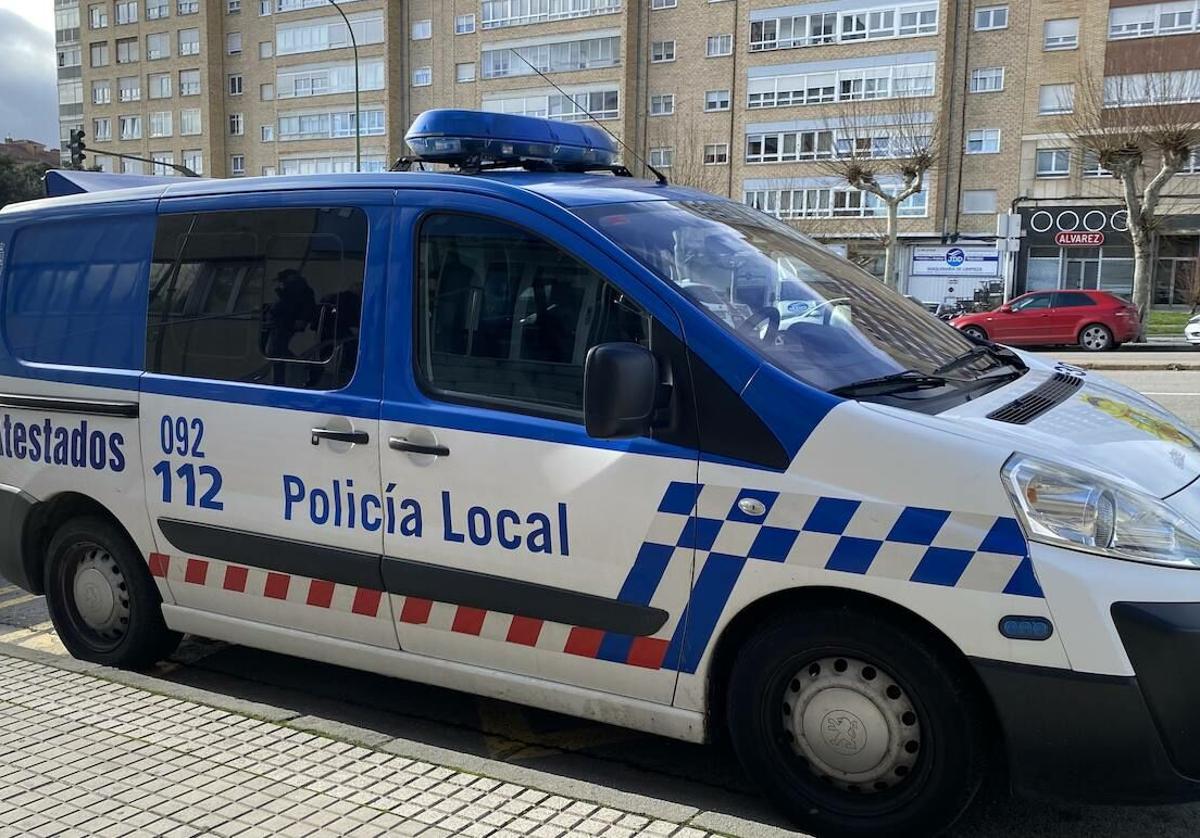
{"x": 1072, "y": 300}
{"x": 268, "y": 296}
{"x": 75, "y": 292}
{"x": 1033, "y": 301}
{"x": 508, "y": 317}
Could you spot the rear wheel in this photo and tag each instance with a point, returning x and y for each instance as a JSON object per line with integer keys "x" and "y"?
{"x": 855, "y": 726}
{"x": 1096, "y": 337}
{"x": 974, "y": 332}
{"x": 101, "y": 598}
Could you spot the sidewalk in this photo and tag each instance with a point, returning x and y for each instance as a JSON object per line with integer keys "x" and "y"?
{"x": 1127, "y": 359}
{"x": 83, "y": 755}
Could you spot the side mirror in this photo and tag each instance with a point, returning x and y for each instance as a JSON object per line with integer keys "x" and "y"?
{"x": 1005, "y": 309}
{"x": 620, "y": 385}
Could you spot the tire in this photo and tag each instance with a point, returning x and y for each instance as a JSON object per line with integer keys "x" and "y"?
{"x": 1096, "y": 337}
{"x": 817, "y": 760}
{"x": 104, "y": 605}
{"x": 975, "y": 332}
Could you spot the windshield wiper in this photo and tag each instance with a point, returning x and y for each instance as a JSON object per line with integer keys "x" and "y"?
{"x": 898, "y": 382}
{"x": 1001, "y": 356}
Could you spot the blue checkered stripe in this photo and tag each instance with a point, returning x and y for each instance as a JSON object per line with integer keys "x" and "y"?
{"x": 906, "y": 543}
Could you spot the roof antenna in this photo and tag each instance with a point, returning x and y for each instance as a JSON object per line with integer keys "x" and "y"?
{"x": 659, "y": 176}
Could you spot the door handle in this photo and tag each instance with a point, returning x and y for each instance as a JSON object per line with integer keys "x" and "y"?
{"x": 352, "y": 437}
{"x": 399, "y": 443}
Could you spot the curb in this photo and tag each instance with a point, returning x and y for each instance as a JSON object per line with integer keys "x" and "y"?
{"x": 651, "y": 807}
{"x": 1141, "y": 366}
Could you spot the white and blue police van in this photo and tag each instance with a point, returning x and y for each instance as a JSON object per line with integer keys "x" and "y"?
{"x": 537, "y": 430}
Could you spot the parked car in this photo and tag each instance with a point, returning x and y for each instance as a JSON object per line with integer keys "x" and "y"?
{"x": 1096, "y": 320}
{"x": 1192, "y": 330}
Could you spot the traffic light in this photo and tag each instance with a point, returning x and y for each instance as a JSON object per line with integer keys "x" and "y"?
{"x": 77, "y": 148}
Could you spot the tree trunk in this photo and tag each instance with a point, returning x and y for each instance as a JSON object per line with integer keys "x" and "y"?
{"x": 891, "y": 252}
{"x": 1143, "y": 272}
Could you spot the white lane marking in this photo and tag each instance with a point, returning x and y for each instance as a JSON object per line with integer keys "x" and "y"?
{"x": 1170, "y": 394}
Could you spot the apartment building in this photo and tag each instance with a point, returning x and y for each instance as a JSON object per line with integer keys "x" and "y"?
{"x": 749, "y": 98}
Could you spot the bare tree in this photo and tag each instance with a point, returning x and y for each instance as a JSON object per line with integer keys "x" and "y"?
{"x": 885, "y": 148}
{"x": 694, "y": 159}
{"x": 1141, "y": 128}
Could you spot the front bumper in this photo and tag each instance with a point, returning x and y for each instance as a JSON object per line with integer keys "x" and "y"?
{"x": 1109, "y": 738}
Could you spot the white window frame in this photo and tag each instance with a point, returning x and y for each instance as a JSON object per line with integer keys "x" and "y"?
{"x": 662, "y": 104}
{"x": 266, "y": 133}
{"x": 1147, "y": 20}
{"x": 987, "y": 15}
{"x": 810, "y": 29}
{"x": 459, "y": 78}
{"x": 1054, "y": 155}
{"x": 979, "y": 74}
{"x": 728, "y": 99}
{"x": 422, "y": 30}
{"x": 656, "y": 5}
{"x": 988, "y": 140}
{"x": 1060, "y": 107}
{"x": 716, "y": 154}
{"x": 718, "y": 46}
{"x": 662, "y": 48}
{"x": 464, "y": 24}
{"x": 422, "y": 76}
{"x": 235, "y": 169}
{"x": 233, "y": 43}
{"x": 1054, "y": 43}
{"x": 661, "y": 157}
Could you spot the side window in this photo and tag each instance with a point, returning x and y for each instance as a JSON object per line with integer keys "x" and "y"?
{"x": 1034, "y": 302}
{"x": 1072, "y": 300}
{"x": 265, "y": 296}
{"x": 506, "y": 318}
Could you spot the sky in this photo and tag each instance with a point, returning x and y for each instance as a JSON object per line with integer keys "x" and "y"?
{"x": 28, "y": 84}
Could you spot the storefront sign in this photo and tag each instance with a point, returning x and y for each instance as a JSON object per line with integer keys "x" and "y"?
{"x": 1075, "y": 238}
{"x": 955, "y": 261}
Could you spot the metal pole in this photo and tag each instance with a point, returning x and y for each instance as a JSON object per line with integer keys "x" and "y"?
{"x": 357, "y": 108}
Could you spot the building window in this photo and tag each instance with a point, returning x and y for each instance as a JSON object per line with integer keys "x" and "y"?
{"x": 235, "y": 84}
{"x": 663, "y": 4}
{"x": 464, "y": 72}
{"x": 662, "y": 104}
{"x": 158, "y": 9}
{"x": 237, "y": 124}
{"x": 189, "y": 41}
{"x": 237, "y": 164}
{"x": 102, "y": 129}
{"x": 265, "y": 7}
{"x": 266, "y": 49}
{"x": 817, "y": 201}
{"x": 661, "y": 157}
{"x": 102, "y": 92}
{"x": 233, "y": 7}
{"x": 422, "y": 76}
{"x": 662, "y": 51}
{"x": 127, "y": 12}
{"x": 987, "y": 80}
{"x": 160, "y": 124}
{"x": 266, "y": 92}
{"x": 266, "y": 134}
{"x": 1053, "y": 162}
{"x": 131, "y": 127}
{"x": 158, "y": 46}
{"x": 1091, "y": 165}
{"x": 1060, "y": 34}
{"x": 129, "y": 88}
{"x": 1056, "y": 98}
{"x": 991, "y": 17}
{"x": 163, "y": 160}
{"x": 160, "y": 85}
{"x": 187, "y": 7}
{"x": 567, "y": 106}
{"x": 422, "y": 30}
{"x": 979, "y": 201}
{"x": 189, "y": 82}
{"x": 499, "y": 13}
{"x": 983, "y": 141}
{"x": 579, "y": 54}
{"x": 233, "y": 43}
{"x": 98, "y": 17}
{"x": 896, "y": 20}
{"x": 718, "y": 45}
{"x": 99, "y": 54}
{"x": 716, "y": 100}
{"x": 716, "y": 154}
{"x": 194, "y": 160}
{"x": 1145, "y": 21}
{"x": 327, "y": 34}
{"x": 464, "y": 24}
{"x": 819, "y": 87}
{"x": 132, "y": 167}
{"x": 189, "y": 121}
{"x": 128, "y": 50}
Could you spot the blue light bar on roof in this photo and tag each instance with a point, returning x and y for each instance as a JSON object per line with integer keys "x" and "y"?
{"x": 460, "y": 137}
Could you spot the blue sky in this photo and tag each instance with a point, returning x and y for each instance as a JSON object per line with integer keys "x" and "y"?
{"x": 28, "y": 87}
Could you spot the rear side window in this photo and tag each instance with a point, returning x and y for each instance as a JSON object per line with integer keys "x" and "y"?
{"x": 506, "y": 318}
{"x": 265, "y": 296}
{"x": 1072, "y": 300}
{"x": 75, "y": 292}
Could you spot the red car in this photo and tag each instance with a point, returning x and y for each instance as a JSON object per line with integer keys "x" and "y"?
{"x": 1095, "y": 320}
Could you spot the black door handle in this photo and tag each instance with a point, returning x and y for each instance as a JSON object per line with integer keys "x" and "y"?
{"x": 352, "y": 437}
{"x": 399, "y": 443}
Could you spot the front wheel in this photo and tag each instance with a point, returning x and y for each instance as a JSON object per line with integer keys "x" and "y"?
{"x": 855, "y": 726}
{"x": 975, "y": 333}
{"x": 101, "y": 598}
{"x": 1096, "y": 338}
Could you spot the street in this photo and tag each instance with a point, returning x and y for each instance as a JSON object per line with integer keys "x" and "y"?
{"x": 706, "y": 778}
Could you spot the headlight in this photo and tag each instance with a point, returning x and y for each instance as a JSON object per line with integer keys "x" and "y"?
{"x": 1064, "y": 507}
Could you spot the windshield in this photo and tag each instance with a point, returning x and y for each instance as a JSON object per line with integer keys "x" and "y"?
{"x": 811, "y": 312}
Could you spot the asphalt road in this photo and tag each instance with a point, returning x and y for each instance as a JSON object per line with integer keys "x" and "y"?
{"x": 703, "y": 776}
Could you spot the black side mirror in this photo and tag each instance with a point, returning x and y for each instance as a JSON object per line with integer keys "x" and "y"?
{"x": 620, "y": 385}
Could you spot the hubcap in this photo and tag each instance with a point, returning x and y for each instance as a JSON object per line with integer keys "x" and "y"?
{"x": 100, "y": 594}
{"x": 853, "y": 724}
{"x": 1095, "y": 338}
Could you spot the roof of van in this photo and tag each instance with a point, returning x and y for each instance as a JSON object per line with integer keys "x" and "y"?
{"x": 568, "y": 190}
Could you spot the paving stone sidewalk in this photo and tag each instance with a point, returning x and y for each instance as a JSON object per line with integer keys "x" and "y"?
{"x": 84, "y": 756}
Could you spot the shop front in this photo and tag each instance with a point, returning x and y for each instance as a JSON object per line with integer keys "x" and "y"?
{"x": 956, "y": 274}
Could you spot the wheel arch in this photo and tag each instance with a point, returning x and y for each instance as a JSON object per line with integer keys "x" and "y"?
{"x": 1087, "y": 324}
{"x": 45, "y": 519}
{"x": 756, "y": 613}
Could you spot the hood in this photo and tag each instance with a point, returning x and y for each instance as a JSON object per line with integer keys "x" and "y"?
{"x": 1100, "y": 424}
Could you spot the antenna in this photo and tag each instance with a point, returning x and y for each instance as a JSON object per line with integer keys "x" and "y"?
{"x": 659, "y": 176}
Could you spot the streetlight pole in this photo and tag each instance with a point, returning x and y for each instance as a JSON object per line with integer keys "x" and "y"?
{"x": 357, "y": 108}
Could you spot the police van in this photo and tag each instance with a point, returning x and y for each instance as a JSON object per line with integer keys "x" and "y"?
{"x": 537, "y": 430}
